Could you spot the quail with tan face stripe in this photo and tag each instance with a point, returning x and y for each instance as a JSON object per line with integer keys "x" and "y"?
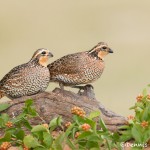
{"x": 79, "y": 68}
{"x": 29, "y": 78}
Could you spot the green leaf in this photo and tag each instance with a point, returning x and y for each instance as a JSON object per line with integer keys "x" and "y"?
{"x": 108, "y": 144}
{"x": 144, "y": 115}
{"x": 26, "y": 123}
{"x": 124, "y": 127}
{"x": 115, "y": 136}
{"x": 19, "y": 117}
{"x": 137, "y": 133}
{"x": 5, "y": 117}
{"x": 38, "y": 128}
{"x": 82, "y": 144}
{"x": 70, "y": 130}
{"x": 90, "y": 122}
{"x": 70, "y": 144}
{"x": 85, "y": 135}
{"x": 140, "y": 104}
{"x": 102, "y": 125}
{"x": 28, "y": 102}
{"x": 4, "y": 106}
{"x": 76, "y": 119}
{"x": 47, "y": 139}
{"x": 73, "y": 132}
{"x": 7, "y": 137}
{"x": 94, "y": 148}
{"x": 92, "y": 144}
{"x": 58, "y": 142}
{"x": 20, "y": 134}
{"x": 38, "y": 135}
{"x": 28, "y": 109}
{"x": 132, "y": 107}
{"x": 125, "y": 135}
{"x": 94, "y": 114}
{"x": 146, "y": 136}
{"x": 30, "y": 141}
{"x": 94, "y": 137}
{"x": 2, "y": 123}
{"x": 80, "y": 120}
{"x": 55, "y": 123}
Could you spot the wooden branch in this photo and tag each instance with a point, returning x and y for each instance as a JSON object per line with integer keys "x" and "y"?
{"x": 59, "y": 102}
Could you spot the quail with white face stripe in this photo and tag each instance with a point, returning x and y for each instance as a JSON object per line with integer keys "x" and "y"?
{"x": 29, "y": 78}
{"x": 79, "y": 68}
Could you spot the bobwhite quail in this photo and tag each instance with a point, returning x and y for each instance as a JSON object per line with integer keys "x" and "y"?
{"x": 29, "y": 78}
{"x": 79, "y": 68}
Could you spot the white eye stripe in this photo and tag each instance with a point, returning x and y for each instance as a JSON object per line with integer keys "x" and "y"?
{"x": 97, "y": 47}
{"x": 39, "y": 52}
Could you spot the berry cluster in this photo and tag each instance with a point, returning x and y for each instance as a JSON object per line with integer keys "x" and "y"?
{"x": 67, "y": 125}
{"x": 5, "y": 145}
{"x": 78, "y": 111}
{"x": 9, "y": 124}
{"x": 85, "y": 127}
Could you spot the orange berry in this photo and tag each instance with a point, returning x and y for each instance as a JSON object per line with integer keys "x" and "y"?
{"x": 148, "y": 96}
{"x": 67, "y": 124}
{"x": 82, "y": 115}
{"x": 139, "y": 98}
{"x": 144, "y": 124}
{"x": 130, "y": 117}
{"x": 45, "y": 125}
{"x": 77, "y": 134}
{"x": 85, "y": 127}
{"x": 26, "y": 148}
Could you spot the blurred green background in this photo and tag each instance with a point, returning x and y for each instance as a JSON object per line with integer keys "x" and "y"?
{"x": 69, "y": 26}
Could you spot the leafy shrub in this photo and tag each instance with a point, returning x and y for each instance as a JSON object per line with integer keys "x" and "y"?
{"x": 84, "y": 133}
{"x": 138, "y": 127}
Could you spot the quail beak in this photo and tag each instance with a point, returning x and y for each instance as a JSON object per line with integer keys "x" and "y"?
{"x": 50, "y": 54}
{"x": 110, "y": 51}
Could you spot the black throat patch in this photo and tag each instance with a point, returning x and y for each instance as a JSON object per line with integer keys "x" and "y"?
{"x": 94, "y": 54}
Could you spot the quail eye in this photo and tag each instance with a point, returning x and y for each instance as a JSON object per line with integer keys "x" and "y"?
{"x": 43, "y": 52}
{"x": 104, "y": 47}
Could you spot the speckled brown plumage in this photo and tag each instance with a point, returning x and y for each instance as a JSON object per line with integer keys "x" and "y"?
{"x": 80, "y": 68}
{"x": 27, "y": 79}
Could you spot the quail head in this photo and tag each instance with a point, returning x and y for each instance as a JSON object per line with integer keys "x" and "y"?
{"x": 79, "y": 68}
{"x": 29, "y": 78}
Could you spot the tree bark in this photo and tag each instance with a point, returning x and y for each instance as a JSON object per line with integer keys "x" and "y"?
{"x": 59, "y": 102}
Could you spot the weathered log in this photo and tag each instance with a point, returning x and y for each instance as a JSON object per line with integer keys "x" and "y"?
{"x": 59, "y": 102}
